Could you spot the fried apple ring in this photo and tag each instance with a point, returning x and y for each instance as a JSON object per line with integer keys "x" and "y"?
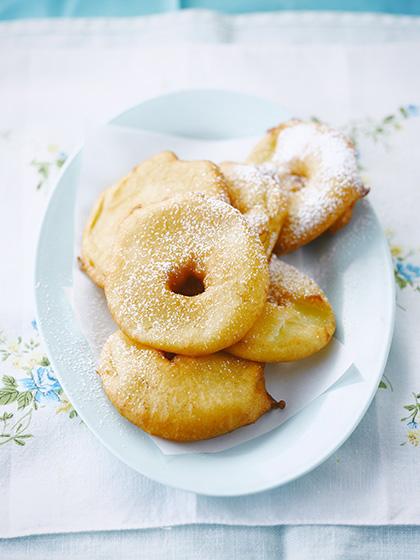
{"x": 151, "y": 181}
{"x": 256, "y": 191}
{"x": 319, "y": 169}
{"x": 187, "y": 275}
{"x": 296, "y": 322}
{"x": 178, "y": 397}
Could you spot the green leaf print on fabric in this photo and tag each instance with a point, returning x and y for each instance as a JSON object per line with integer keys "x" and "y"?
{"x": 21, "y": 395}
{"x": 379, "y": 130}
{"x": 412, "y": 421}
{"x": 46, "y": 168}
{"x": 406, "y": 267}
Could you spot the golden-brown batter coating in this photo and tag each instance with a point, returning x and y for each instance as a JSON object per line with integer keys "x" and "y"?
{"x": 153, "y": 180}
{"x": 256, "y": 191}
{"x": 188, "y": 275}
{"x": 178, "y": 397}
{"x": 296, "y": 322}
{"x": 318, "y": 167}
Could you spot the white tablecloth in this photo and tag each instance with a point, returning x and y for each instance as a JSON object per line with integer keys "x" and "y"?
{"x": 57, "y": 79}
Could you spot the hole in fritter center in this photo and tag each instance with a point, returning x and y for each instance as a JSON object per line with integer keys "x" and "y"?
{"x": 169, "y": 355}
{"x": 187, "y": 282}
{"x": 298, "y": 168}
{"x": 298, "y": 174}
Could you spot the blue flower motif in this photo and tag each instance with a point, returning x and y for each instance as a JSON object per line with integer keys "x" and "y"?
{"x": 409, "y": 272}
{"x": 413, "y": 425}
{"x": 415, "y": 270}
{"x": 34, "y": 325}
{"x": 43, "y": 382}
{"x": 412, "y": 110}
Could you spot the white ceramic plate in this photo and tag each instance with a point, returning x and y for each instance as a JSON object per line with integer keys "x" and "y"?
{"x": 353, "y": 267}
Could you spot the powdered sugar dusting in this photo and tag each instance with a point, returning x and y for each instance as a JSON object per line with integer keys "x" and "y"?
{"x": 288, "y": 284}
{"x": 257, "y": 192}
{"x": 193, "y": 233}
{"x": 152, "y": 181}
{"x": 325, "y": 154}
{"x": 318, "y": 166}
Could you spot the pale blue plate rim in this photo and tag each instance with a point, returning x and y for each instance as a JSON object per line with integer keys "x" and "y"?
{"x": 42, "y": 319}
